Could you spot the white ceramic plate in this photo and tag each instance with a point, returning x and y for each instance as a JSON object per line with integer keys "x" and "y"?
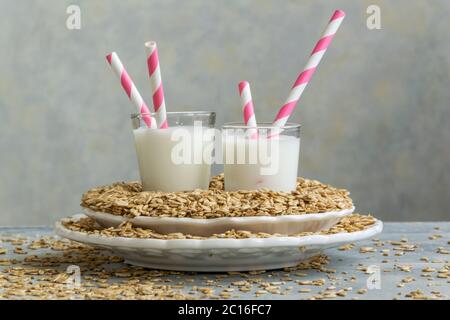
{"x": 288, "y": 224}
{"x": 212, "y": 255}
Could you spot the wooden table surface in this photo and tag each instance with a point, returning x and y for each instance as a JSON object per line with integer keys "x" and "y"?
{"x": 408, "y": 260}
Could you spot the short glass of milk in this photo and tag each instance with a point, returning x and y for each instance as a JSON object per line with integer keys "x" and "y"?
{"x": 179, "y": 157}
{"x": 260, "y": 157}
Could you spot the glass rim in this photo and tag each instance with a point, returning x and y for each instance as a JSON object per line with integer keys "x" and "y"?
{"x": 260, "y": 125}
{"x": 175, "y": 113}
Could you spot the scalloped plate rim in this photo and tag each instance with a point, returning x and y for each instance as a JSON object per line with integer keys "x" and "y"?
{"x": 204, "y": 244}
{"x": 213, "y": 221}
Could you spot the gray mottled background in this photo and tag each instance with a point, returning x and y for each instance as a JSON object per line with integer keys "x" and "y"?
{"x": 375, "y": 116}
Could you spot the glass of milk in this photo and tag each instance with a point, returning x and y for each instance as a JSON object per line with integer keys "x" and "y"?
{"x": 177, "y": 158}
{"x": 262, "y": 157}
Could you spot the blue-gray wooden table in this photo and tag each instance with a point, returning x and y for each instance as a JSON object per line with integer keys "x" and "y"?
{"x": 388, "y": 267}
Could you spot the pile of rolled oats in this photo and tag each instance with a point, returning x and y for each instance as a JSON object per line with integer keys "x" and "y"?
{"x": 128, "y": 199}
{"x": 351, "y": 223}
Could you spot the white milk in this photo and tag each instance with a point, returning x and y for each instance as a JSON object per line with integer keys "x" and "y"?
{"x": 156, "y": 166}
{"x": 276, "y": 171}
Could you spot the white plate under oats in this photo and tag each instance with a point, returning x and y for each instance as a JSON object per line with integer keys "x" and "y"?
{"x": 215, "y": 254}
{"x": 284, "y": 224}
{"x": 312, "y": 207}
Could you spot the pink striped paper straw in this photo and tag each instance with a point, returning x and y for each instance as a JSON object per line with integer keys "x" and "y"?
{"x": 305, "y": 76}
{"x": 154, "y": 72}
{"x": 247, "y": 107}
{"x": 130, "y": 89}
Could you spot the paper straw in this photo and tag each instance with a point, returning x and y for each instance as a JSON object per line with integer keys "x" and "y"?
{"x": 154, "y": 72}
{"x": 130, "y": 89}
{"x": 305, "y": 76}
{"x": 247, "y": 108}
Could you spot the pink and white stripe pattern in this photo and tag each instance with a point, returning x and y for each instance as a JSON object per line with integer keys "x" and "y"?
{"x": 154, "y": 72}
{"x": 305, "y": 76}
{"x": 247, "y": 105}
{"x": 130, "y": 89}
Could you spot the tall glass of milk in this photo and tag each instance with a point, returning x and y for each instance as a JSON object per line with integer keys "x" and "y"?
{"x": 261, "y": 157}
{"x": 179, "y": 157}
